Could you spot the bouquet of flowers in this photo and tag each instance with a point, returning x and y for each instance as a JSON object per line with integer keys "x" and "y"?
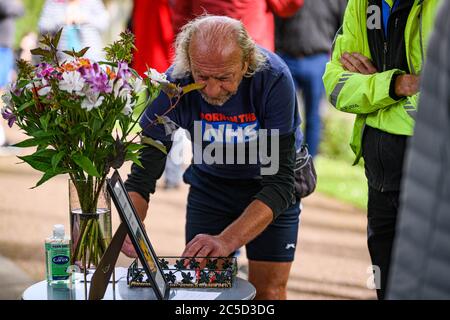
{"x": 78, "y": 114}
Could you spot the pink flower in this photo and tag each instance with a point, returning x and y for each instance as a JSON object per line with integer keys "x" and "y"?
{"x": 44, "y": 70}
{"x": 96, "y": 78}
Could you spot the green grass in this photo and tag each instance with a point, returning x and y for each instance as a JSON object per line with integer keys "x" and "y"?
{"x": 29, "y": 21}
{"x": 342, "y": 181}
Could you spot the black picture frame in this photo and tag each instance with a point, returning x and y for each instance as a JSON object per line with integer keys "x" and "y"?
{"x": 138, "y": 236}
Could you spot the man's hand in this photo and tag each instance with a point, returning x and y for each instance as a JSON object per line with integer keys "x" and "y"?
{"x": 128, "y": 248}
{"x": 407, "y": 85}
{"x": 204, "y": 245}
{"x": 355, "y": 62}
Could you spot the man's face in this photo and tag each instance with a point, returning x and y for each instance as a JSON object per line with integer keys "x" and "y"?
{"x": 221, "y": 71}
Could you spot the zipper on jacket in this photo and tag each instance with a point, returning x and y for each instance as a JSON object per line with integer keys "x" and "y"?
{"x": 385, "y": 51}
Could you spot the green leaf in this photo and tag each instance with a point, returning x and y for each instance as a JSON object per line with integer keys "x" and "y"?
{"x": 69, "y": 53}
{"x": 192, "y": 87}
{"x": 86, "y": 164}
{"x": 56, "y": 159}
{"x": 25, "y": 105}
{"x": 40, "y": 160}
{"x": 149, "y": 141}
{"x": 82, "y": 52}
{"x": 170, "y": 89}
{"x": 41, "y": 52}
{"x": 135, "y": 158}
{"x": 47, "y": 176}
{"x": 22, "y": 83}
{"x": 39, "y": 165}
{"x": 135, "y": 147}
{"x": 27, "y": 143}
{"x": 55, "y": 40}
{"x": 97, "y": 125}
{"x": 43, "y": 134}
{"x": 44, "y": 121}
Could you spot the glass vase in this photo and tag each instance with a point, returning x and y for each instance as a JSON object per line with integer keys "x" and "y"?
{"x": 90, "y": 221}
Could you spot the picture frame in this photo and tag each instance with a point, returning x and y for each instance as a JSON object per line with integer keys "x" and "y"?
{"x": 138, "y": 236}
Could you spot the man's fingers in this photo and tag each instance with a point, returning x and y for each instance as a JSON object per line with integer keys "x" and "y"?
{"x": 359, "y": 66}
{"x": 128, "y": 248}
{"x": 191, "y": 249}
{"x": 204, "y": 251}
{"x": 129, "y": 251}
{"x": 346, "y": 63}
{"x": 368, "y": 65}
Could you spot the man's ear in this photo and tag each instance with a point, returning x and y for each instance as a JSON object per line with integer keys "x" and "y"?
{"x": 245, "y": 67}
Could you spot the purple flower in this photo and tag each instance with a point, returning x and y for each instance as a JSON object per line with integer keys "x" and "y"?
{"x": 96, "y": 78}
{"x": 123, "y": 71}
{"x": 8, "y": 115}
{"x": 44, "y": 70}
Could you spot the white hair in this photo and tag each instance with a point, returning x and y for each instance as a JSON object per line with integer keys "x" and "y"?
{"x": 211, "y": 28}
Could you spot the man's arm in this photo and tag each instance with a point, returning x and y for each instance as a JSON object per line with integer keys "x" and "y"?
{"x": 402, "y": 85}
{"x": 255, "y": 218}
{"x": 350, "y": 90}
{"x": 141, "y": 182}
{"x": 275, "y": 197}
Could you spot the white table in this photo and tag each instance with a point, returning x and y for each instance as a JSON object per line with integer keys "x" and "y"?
{"x": 241, "y": 290}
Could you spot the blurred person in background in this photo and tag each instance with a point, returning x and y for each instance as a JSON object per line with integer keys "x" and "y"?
{"x": 256, "y": 15}
{"x": 151, "y": 23}
{"x": 304, "y": 42}
{"x": 421, "y": 255}
{"x": 83, "y": 22}
{"x": 374, "y": 73}
{"x": 10, "y": 10}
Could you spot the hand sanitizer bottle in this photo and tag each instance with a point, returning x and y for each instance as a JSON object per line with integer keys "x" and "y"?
{"x": 57, "y": 255}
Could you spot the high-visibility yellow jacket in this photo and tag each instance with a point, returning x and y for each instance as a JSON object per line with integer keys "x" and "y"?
{"x": 367, "y": 96}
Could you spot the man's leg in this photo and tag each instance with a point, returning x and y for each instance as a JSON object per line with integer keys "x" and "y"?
{"x": 382, "y": 215}
{"x": 269, "y": 278}
{"x": 270, "y": 255}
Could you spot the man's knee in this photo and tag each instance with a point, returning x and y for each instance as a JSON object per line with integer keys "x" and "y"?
{"x": 270, "y": 279}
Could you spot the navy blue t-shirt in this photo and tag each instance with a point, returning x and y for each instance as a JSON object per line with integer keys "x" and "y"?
{"x": 267, "y": 100}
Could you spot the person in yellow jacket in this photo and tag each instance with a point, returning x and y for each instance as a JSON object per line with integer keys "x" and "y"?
{"x": 374, "y": 73}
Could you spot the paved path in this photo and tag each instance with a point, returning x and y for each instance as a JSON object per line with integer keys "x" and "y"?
{"x": 331, "y": 258}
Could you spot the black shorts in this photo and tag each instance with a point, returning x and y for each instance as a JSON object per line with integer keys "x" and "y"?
{"x": 214, "y": 203}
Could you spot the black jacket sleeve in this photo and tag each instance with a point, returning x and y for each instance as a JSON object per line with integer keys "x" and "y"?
{"x": 278, "y": 189}
{"x": 143, "y": 180}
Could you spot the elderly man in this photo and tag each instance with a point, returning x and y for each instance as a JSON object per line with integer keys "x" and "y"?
{"x": 231, "y": 203}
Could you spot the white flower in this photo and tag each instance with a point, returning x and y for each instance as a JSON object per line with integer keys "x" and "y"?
{"x": 138, "y": 85}
{"x": 4, "y": 109}
{"x": 128, "y": 109}
{"x": 29, "y": 86}
{"x": 45, "y": 89}
{"x": 120, "y": 90}
{"x": 92, "y": 100}
{"x": 72, "y": 82}
{"x": 156, "y": 77}
{"x": 6, "y": 98}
